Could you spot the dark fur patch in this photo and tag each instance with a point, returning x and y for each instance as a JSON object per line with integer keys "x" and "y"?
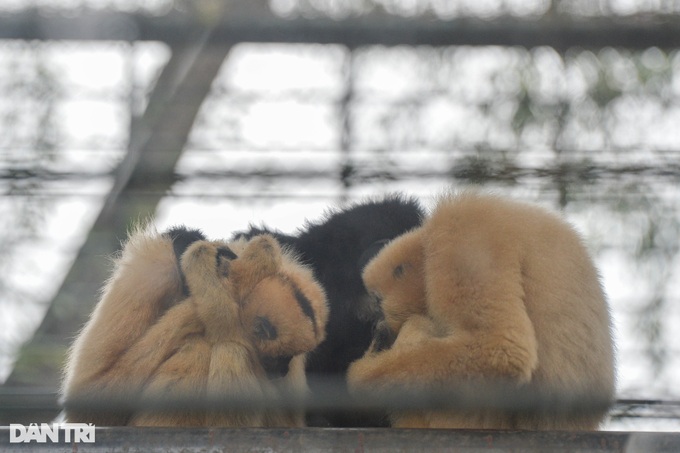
{"x": 371, "y": 252}
{"x": 337, "y": 248}
{"x": 223, "y": 257}
{"x": 383, "y": 337}
{"x": 398, "y": 271}
{"x": 182, "y": 238}
{"x": 276, "y": 367}
{"x": 305, "y": 305}
{"x": 281, "y": 238}
{"x": 227, "y": 253}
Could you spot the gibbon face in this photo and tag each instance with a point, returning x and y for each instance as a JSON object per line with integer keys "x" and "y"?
{"x": 394, "y": 279}
{"x": 285, "y": 315}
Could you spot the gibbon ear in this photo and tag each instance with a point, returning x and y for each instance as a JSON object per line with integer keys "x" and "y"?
{"x": 182, "y": 238}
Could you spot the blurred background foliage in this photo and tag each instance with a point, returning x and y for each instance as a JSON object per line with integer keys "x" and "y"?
{"x": 289, "y": 130}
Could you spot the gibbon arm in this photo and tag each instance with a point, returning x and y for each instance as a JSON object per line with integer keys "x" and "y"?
{"x": 182, "y": 377}
{"x": 124, "y": 379}
{"x": 235, "y": 371}
{"x": 145, "y": 283}
{"x": 421, "y": 359}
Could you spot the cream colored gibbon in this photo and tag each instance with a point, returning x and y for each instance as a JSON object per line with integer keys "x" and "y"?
{"x": 235, "y": 319}
{"x": 494, "y": 292}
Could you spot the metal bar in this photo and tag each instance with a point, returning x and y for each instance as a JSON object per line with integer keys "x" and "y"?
{"x": 458, "y": 170}
{"x": 373, "y": 29}
{"x": 27, "y": 399}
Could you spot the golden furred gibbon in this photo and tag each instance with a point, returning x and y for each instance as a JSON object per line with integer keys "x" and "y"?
{"x": 491, "y": 291}
{"x": 230, "y": 319}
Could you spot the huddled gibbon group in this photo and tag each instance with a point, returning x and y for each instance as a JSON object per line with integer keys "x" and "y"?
{"x": 229, "y": 319}
{"x": 381, "y": 297}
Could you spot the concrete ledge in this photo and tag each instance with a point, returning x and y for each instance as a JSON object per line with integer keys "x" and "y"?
{"x": 319, "y": 439}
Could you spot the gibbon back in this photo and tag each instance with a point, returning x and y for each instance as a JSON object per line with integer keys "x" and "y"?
{"x": 491, "y": 290}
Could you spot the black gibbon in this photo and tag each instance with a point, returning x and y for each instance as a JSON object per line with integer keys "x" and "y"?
{"x": 337, "y": 248}
{"x": 226, "y": 319}
{"x": 492, "y": 291}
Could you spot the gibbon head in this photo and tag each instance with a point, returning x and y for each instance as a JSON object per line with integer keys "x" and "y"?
{"x": 286, "y": 313}
{"x": 282, "y": 305}
{"x": 395, "y": 278}
{"x": 282, "y": 309}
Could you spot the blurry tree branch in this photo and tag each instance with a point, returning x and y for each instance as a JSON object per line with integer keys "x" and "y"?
{"x": 144, "y": 175}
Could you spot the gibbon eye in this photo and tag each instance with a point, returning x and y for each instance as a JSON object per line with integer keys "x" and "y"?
{"x": 264, "y": 329}
{"x": 398, "y": 271}
{"x": 224, "y": 256}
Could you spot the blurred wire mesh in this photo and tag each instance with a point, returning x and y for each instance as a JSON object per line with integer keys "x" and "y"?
{"x": 287, "y": 130}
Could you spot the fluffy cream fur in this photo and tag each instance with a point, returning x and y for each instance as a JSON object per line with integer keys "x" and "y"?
{"x": 145, "y": 339}
{"x": 491, "y": 291}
